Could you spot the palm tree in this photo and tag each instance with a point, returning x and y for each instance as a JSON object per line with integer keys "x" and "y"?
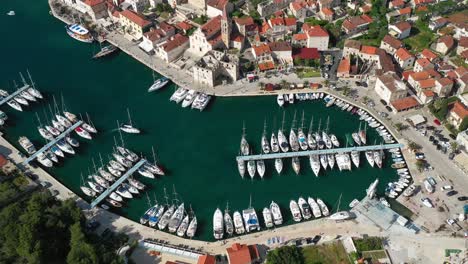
{"x": 454, "y": 146}
{"x": 438, "y": 103}
{"x": 420, "y": 164}
{"x": 284, "y": 84}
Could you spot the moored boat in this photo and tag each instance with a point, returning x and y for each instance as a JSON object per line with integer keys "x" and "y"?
{"x": 267, "y": 217}
{"x": 238, "y": 223}
{"x": 218, "y": 225}
{"x": 276, "y": 213}
{"x": 295, "y": 211}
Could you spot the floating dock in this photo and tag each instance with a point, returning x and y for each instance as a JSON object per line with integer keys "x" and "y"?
{"x": 306, "y": 153}
{"x": 53, "y": 142}
{"x": 15, "y": 93}
{"x": 116, "y": 184}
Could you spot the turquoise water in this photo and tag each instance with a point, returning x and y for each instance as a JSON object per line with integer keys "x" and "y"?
{"x": 197, "y": 149}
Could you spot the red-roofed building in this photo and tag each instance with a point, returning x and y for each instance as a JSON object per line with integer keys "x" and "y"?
{"x": 355, "y": 24}
{"x": 390, "y": 44}
{"x": 444, "y": 44}
{"x": 422, "y": 64}
{"x": 404, "y": 104}
{"x": 404, "y": 58}
{"x": 417, "y": 3}
{"x": 462, "y": 45}
{"x": 266, "y": 66}
{"x": 173, "y": 48}
{"x": 326, "y": 14}
{"x": 243, "y": 254}
{"x": 457, "y": 112}
{"x": 405, "y": 11}
{"x": 428, "y": 54}
{"x": 425, "y": 84}
{"x": 426, "y": 96}
{"x": 443, "y": 86}
{"x": 344, "y": 68}
{"x": 154, "y": 36}
{"x": 299, "y": 9}
{"x": 306, "y": 54}
{"x": 134, "y": 24}
{"x": 396, "y": 4}
{"x": 206, "y": 259}
{"x": 438, "y": 23}
{"x": 313, "y": 37}
{"x": 277, "y": 28}
{"x": 400, "y": 30}
{"x": 207, "y": 37}
{"x": 184, "y": 26}
{"x": 261, "y": 50}
{"x": 405, "y": 75}
{"x": 215, "y": 8}
{"x": 96, "y": 9}
{"x": 369, "y": 53}
{"x": 246, "y": 26}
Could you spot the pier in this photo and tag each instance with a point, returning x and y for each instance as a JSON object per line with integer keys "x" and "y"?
{"x": 15, "y": 93}
{"x": 312, "y": 152}
{"x": 119, "y": 181}
{"x": 53, "y": 142}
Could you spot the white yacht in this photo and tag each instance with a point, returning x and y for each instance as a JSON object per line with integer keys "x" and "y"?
{"x": 218, "y": 225}
{"x": 323, "y": 207}
{"x": 114, "y": 196}
{"x": 41, "y": 157}
{"x": 89, "y": 128}
{"x": 274, "y": 143}
{"x": 296, "y": 164}
{"x": 315, "y": 163}
{"x": 251, "y": 168}
{"x": 64, "y": 146}
{"x": 70, "y": 116}
{"x": 114, "y": 164}
{"x": 65, "y": 122}
{"x": 295, "y": 211}
{"x": 96, "y": 187}
{"x": 250, "y": 220}
{"x": 378, "y": 157}
{"x": 130, "y": 188}
{"x": 45, "y": 134}
{"x": 129, "y": 128}
{"x": 370, "y": 157}
{"x": 188, "y": 100}
{"x": 158, "y": 84}
{"x": 334, "y": 141}
{"x": 179, "y": 95}
{"x": 283, "y": 142}
{"x": 57, "y": 151}
{"x": 21, "y": 100}
{"x": 83, "y": 133}
{"x": 135, "y": 183}
{"x": 305, "y": 208}
{"x": 276, "y": 213}
{"x": 35, "y": 92}
{"x": 15, "y": 105}
{"x": 279, "y": 165}
{"x": 356, "y": 138}
{"x": 27, "y": 145}
{"x": 145, "y": 173}
{"x": 280, "y": 100}
{"x": 343, "y": 215}
{"x": 265, "y": 144}
{"x": 73, "y": 142}
{"x": 192, "y": 228}
{"x": 89, "y": 192}
{"x": 238, "y": 223}
{"x": 324, "y": 161}
{"x": 125, "y": 162}
{"x": 241, "y": 167}
{"x": 326, "y": 139}
{"x": 228, "y": 223}
{"x": 331, "y": 160}
{"x": 115, "y": 172}
{"x": 293, "y": 140}
{"x": 315, "y": 207}
{"x": 244, "y": 145}
{"x": 267, "y": 217}
{"x": 261, "y": 168}
{"x": 58, "y": 125}
{"x": 52, "y": 130}
{"x": 355, "y": 158}
{"x": 101, "y": 181}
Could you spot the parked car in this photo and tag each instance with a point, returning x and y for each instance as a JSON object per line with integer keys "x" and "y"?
{"x": 451, "y": 156}
{"x": 383, "y": 102}
{"x": 450, "y": 221}
{"x": 452, "y": 193}
{"x": 437, "y": 122}
{"x": 431, "y": 138}
{"x": 388, "y": 108}
{"x": 446, "y": 188}
{"x": 462, "y": 198}
{"x": 419, "y": 156}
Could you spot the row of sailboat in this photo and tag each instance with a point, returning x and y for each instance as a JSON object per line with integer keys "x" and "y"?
{"x": 24, "y": 98}
{"x": 172, "y": 217}
{"x": 190, "y": 97}
{"x": 246, "y": 221}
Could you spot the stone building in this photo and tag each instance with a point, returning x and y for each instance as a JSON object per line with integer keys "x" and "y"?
{"x": 214, "y": 68}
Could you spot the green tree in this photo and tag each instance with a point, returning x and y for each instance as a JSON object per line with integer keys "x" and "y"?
{"x": 80, "y": 251}
{"x": 285, "y": 255}
{"x": 454, "y": 145}
{"x": 413, "y": 146}
{"x": 420, "y": 164}
{"x": 464, "y": 124}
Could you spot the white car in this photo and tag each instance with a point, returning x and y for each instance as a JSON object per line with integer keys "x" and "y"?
{"x": 450, "y": 221}
{"x": 446, "y": 188}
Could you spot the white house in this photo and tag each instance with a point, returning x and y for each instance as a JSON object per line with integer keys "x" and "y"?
{"x": 390, "y": 87}
{"x": 173, "y": 48}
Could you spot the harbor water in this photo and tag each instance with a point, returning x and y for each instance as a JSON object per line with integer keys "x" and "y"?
{"x": 197, "y": 150}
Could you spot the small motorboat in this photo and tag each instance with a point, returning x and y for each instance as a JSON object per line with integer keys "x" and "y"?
{"x": 83, "y": 133}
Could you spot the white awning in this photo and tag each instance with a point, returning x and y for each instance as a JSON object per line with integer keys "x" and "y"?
{"x": 144, "y": 45}
{"x": 417, "y": 119}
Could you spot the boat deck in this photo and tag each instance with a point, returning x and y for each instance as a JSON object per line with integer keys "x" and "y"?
{"x": 116, "y": 184}
{"x": 15, "y": 93}
{"x": 53, "y": 142}
{"x": 312, "y": 152}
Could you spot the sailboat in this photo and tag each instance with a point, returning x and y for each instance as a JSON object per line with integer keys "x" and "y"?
{"x": 326, "y": 139}
{"x": 283, "y": 142}
{"x": 340, "y": 215}
{"x": 86, "y": 190}
{"x": 276, "y": 213}
{"x": 293, "y": 137}
{"x": 355, "y": 158}
{"x": 310, "y": 136}
{"x": 334, "y": 141}
{"x": 296, "y": 164}
{"x": 176, "y": 218}
{"x": 370, "y": 157}
{"x": 251, "y": 168}
{"x": 301, "y": 135}
{"x": 183, "y": 226}
{"x": 32, "y": 90}
{"x": 238, "y": 223}
{"x": 106, "y": 50}
{"x": 280, "y": 100}
{"x": 356, "y": 138}
{"x": 331, "y": 160}
{"x": 261, "y": 168}
{"x": 145, "y": 217}
{"x": 318, "y": 137}
{"x": 378, "y": 157}
{"x": 244, "y": 145}
{"x": 192, "y": 228}
{"x": 158, "y": 84}
{"x": 228, "y": 223}
{"x": 362, "y": 134}
{"x": 279, "y": 165}
{"x": 323, "y": 207}
{"x": 274, "y": 143}
{"x": 241, "y": 167}
{"x": 128, "y": 128}
{"x": 324, "y": 161}
{"x": 218, "y": 227}
{"x": 315, "y": 163}
{"x": 265, "y": 144}
{"x": 89, "y": 126}
{"x": 15, "y": 105}
{"x": 267, "y": 217}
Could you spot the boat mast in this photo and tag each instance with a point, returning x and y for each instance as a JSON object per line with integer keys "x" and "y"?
{"x": 302, "y": 121}
{"x": 293, "y": 125}
{"x": 227, "y": 207}
{"x": 250, "y": 202}
{"x": 51, "y": 112}
{"x": 339, "y": 202}
{"x": 89, "y": 121}
{"x": 100, "y": 158}
{"x": 154, "y": 155}
{"x": 175, "y": 195}
{"x": 94, "y": 165}
{"x": 129, "y": 118}
{"x": 311, "y": 125}
{"x": 328, "y": 123}
{"x": 165, "y": 196}
{"x": 23, "y": 80}
{"x": 155, "y": 199}
{"x": 264, "y": 127}
{"x": 282, "y": 123}
{"x": 320, "y": 124}
{"x": 30, "y": 79}
{"x": 243, "y": 129}
{"x": 148, "y": 199}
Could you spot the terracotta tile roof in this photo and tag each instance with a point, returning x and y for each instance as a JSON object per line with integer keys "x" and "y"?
{"x": 463, "y": 42}
{"x": 433, "y": 73}
{"x": 174, "y": 42}
{"x": 264, "y": 66}
{"x": 397, "y": 3}
{"x": 459, "y": 109}
{"x": 447, "y": 40}
{"x": 404, "y": 103}
{"x": 464, "y": 54}
{"x": 237, "y": 38}
{"x": 403, "y": 54}
{"x": 213, "y": 25}
{"x": 247, "y": 20}
{"x": 422, "y": 8}
{"x": 276, "y": 21}
{"x": 297, "y": 5}
{"x": 418, "y": 76}
{"x": 290, "y": 21}
{"x": 93, "y": 2}
{"x": 426, "y": 84}
{"x": 327, "y": 11}
{"x": 391, "y": 82}
{"x": 392, "y": 42}
{"x": 135, "y": 18}
{"x": 452, "y": 75}
{"x": 368, "y": 50}
{"x": 261, "y": 49}
{"x": 155, "y": 34}
{"x": 365, "y": 9}
{"x": 428, "y": 93}
{"x": 445, "y": 81}
{"x": 184, "y": 25}
{"x": 351, "y": 23}
{"x": 299, "y": 37}
{"x": 116, "y": 13}
{"x": 280, "y": 46}
{"x": 428, "y": 54}
{"x": 344, "y": 66}
{"x": 206, "y": 259}
{"x": 423, "y": 62}
{"x": 239, "y": 254}
{"x": 351, "y": 43}
{"x": 461, "y": 71}
{"x": 405, "y": 11}
{"x": 3, "y": 161}
{"x": 265, "y": 28}
{"x": 367, "y": 18}
{"x": 166, "y": 27}
{"x": 306, "y": 53}
{"x": 317, "y": 31}
{"x": 406, "y": 74}
{"x": 403, "y": 26}
{"x": 218, "y": 4}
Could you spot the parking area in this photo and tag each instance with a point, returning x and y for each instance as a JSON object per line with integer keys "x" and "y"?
{"x": 329, "y": 61}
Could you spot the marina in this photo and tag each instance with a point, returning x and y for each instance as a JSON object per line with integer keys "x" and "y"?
{"x": 197, "y": 154}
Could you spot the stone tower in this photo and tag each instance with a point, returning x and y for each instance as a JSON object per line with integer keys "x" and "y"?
{"x": 226, "y": 27}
